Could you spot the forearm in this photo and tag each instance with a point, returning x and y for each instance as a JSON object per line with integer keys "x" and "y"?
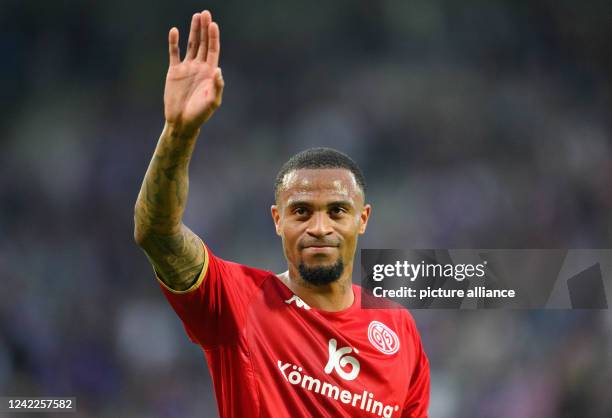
{"x": 173, "y": 249}
{"x": 163, "y": 194}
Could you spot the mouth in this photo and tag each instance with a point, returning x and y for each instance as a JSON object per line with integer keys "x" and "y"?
{"x": 320, "y": 249}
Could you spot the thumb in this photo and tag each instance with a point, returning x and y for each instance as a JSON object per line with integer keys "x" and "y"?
{"x": 219, "y": 78}
{"x": 219, "y": 84}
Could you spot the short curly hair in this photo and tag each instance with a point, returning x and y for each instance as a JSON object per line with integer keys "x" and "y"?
{"x": 320, "y": 157}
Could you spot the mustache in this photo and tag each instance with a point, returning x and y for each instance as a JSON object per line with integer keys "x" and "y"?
{"x": 319, "y": 243}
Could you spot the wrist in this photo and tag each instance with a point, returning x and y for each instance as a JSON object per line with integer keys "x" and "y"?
{"x": 179, "y": 131}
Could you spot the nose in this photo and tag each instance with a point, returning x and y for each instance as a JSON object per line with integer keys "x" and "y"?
{"x": 319, "y": 225}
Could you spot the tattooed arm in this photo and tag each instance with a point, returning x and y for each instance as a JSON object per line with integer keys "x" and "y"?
{"x": 193, "y": 92}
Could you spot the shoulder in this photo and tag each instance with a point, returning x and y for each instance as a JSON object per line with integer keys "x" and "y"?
{"x": 219, "y": 265}
{"x": 385, "y": 310}
{"x": 371, "y": 302}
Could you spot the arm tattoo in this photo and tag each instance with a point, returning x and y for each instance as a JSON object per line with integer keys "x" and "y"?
{"x": 178, "y": 259}
{"x": 173, "y": 249}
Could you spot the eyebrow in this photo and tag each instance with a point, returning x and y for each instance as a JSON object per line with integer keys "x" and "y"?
{"x": 345, "y": 203}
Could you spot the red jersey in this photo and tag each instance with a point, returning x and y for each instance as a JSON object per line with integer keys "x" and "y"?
{"x": 272, "y": 355}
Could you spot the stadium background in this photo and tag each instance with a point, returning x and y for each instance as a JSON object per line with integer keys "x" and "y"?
{"x": 479, "y": 124}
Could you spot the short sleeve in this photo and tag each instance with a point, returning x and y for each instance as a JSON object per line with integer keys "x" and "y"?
{"x": 417, "y": 400}
{"x": 213, "y": 309}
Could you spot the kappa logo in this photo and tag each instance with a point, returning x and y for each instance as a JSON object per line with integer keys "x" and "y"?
{"x": 298, "y": 302}
{"x": 383, "y": 338}
{"x": 339, "y": 360}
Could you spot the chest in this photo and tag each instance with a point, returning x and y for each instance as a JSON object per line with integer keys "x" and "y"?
{"x": 357, "y": 359}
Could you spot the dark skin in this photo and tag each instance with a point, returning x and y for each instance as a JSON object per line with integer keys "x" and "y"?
{"x": 193, "y": 91}
{"x": 319, "y": 215}
{"x": 314, "y": 207}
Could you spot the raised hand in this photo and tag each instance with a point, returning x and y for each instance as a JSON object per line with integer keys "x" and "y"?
{"x": 194, "y": 86}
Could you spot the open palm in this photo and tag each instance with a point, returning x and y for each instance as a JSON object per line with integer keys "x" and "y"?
{"x": 194, "y": 86}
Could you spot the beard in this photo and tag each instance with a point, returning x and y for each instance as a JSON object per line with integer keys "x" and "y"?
{"x": 321, "y": 275}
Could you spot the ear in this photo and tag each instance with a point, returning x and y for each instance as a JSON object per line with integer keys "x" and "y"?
{"x": 363, "y": 218}
{"x": 276, "y": 218}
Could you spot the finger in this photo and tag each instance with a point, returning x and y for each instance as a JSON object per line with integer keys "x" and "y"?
{"x": 193, "y": 43}
{"x": 214, "y": 44}
{"x": 173, "y": 46}
{"x": 220, "y": 84}
{"x": 205, "y": 19}
{"x": 219, "y": 81}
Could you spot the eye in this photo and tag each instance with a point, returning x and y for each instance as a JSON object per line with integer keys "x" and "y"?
{"x": 337, "y": 210}
{"x": 300, "y": 211}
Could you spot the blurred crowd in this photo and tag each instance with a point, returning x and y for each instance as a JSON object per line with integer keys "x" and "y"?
{"x": 478, "y": 124}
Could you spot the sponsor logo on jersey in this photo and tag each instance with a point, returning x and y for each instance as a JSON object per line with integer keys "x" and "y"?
{"x": 383, "y": 338}
{"x": 298, "y": 302}
{"x": 364, "y": 400}
{"x": 339, "y": 360}
{"x": 345, "y": 366}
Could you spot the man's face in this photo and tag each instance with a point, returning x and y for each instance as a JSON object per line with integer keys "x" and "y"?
{"x": 319, "y": 215}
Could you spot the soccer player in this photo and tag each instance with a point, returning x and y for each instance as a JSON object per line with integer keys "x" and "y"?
{"x": 295, "y": 344}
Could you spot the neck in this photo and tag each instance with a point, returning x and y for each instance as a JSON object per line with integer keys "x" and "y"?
{"x": 330, "y": 297}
